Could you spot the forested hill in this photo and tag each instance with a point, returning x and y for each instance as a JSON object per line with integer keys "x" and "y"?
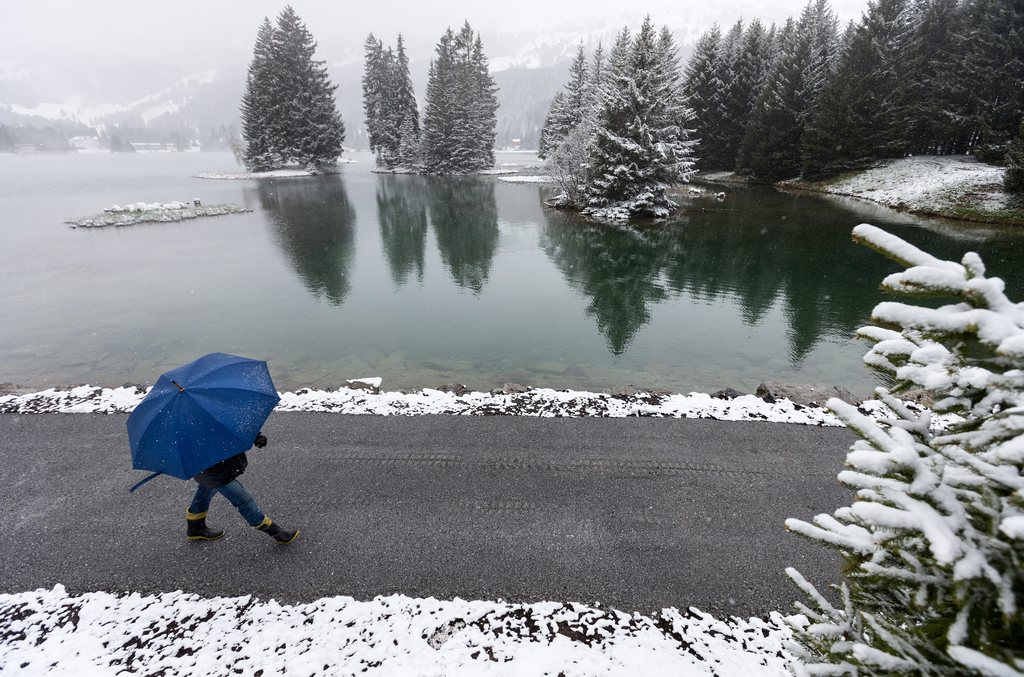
{"x": 193, "y": 106}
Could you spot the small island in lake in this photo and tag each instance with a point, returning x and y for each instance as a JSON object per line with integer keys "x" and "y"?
{"x": 154, "y": 212}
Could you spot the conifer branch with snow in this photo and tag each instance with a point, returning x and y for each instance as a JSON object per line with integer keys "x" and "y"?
{"x": 934, "y": 539}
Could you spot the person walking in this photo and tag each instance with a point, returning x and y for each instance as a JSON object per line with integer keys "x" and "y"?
{"x": 222, "y": 478}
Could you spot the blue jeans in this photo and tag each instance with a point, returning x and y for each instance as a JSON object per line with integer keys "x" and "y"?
{"x": 236, "y": 494}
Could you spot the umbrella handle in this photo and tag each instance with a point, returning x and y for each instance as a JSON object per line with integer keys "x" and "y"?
{"x": 153, "y": 476}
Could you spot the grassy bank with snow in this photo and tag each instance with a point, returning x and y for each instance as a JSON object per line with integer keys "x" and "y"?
{"x": 956, "y": 187}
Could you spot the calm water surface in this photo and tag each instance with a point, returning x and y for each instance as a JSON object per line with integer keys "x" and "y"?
{"x": 424, "y": 281}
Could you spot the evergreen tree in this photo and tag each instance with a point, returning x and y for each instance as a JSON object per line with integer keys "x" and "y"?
{"x": 460, "y": 112}
{"x": 675, "y": 113}
{"x": 771, "y": 148}
{"x": 392, "y": 117}
{"x": 409, "y": 148}
{"x": 721, "y": 140}
{"x": 752, "y": 71}
{"x": 567, "y": 111}
{"x": 771, "y": 144}
{"x": 406, "y": 116}
{"x": 438, "y": 110}
{"x": 484, "y": 116}
{"x": 934, "y": 540}
{"x": 639, "y": 147}
{"x": 700, "y": 89}
{"x": 288, "y": 109}
{"x": 865, "y": 115}
{"x": 1013, "y": 182}
{"x": 258, "y": 103}
{"x": 374, "y": 90}
{"x": 549, "y": 133}
{"x": 596, "y": 79}
{"x": 934, "y": 106}
{"x": 992, "y": 41}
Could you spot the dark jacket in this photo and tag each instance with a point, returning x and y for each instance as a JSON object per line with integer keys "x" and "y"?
{"x": 222, "y": 473}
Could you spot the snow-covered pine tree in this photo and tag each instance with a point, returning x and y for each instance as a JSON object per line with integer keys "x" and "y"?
{"x": 390, "y": 104}
{"x": 301, "y": 119}
{"x": 485, "y": 107}
{"x": 597, "y": 73}
{"x": 823, "y": 29}
{"x": 1013, "y": 182}
{"x": 639, "y": 147}
{"x": 438, "y": 109}
{"x": 700, "y": 88}
{"x": 751, "y": 72}
{"x": 390, "y": 114}
{"x": 568, "y": 163}
{"x": 549, "y": 133}
{"x": 460, "y": 113}
{"x": 320, "y": 145}
{"x": 374, "y": 92}
{"x": 566, "y": 111}
{"x": 409, "y": 148}
{"x": 672, "y": 121}
{"x": 934, "y": 539}
{"x": 258, "y": 104}
{"x": 464, "y": 116}
{"x": 407, "y": 112}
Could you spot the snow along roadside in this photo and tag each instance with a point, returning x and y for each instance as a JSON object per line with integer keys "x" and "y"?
{"x": 183, "y": 634}
{"x": 534, "y": 402}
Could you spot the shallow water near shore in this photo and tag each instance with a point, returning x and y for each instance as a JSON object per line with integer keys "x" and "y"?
{"x": 425, "y": 280}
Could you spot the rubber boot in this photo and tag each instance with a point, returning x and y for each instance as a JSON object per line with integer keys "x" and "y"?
{"x": 197, "y": 529}
{"x": 277, "y": 533}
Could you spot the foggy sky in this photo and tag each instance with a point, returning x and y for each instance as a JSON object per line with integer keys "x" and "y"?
{"x": 191, "y": 35}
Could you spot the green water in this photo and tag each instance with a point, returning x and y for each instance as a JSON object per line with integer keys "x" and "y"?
{"x": 424, "y": 281}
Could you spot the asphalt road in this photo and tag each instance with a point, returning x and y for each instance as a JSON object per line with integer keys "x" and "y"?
{"x": 639, "y": 514}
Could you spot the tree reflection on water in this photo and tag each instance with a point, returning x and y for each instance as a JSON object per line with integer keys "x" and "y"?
{"x": 464, "y": 215}
{"x": 402, "y": 213}
{"x": 314, "y": 225}
{"x": 750, "y": 250}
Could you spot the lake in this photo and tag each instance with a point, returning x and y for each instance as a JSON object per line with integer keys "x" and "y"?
{"x": 427, "y": 280}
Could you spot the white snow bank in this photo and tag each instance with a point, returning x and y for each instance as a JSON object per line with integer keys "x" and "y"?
{"x": 543, "y": 402}
{"x": 146, "y": 207}
{"x": 527, "y": 178}
{"x": 273, "y": 174}
{"x": 50, "y": 631}
{"x": 926, "y": 184}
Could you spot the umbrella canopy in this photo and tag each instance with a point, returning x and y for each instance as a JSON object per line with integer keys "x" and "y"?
{"x": 200, "y": 414}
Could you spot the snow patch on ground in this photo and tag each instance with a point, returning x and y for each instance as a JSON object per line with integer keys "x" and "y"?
{"x": 153, "y": 212}
{"x": 924, "y": 184}
{"x": 543, "y": 402}
{"x": 51, "y": 631}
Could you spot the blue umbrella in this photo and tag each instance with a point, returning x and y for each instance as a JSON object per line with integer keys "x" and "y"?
{"x": 200, "y": 414}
